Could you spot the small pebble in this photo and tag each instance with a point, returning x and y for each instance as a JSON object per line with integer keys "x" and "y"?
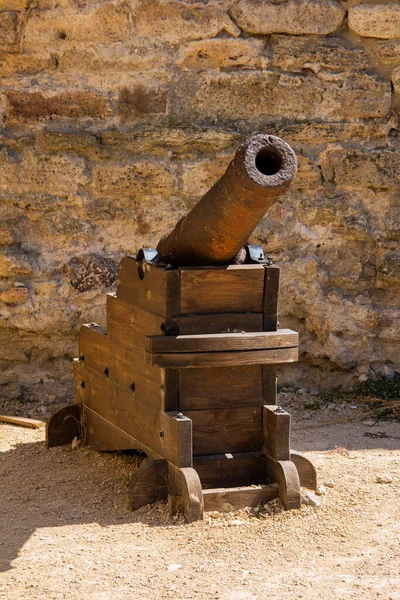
{"x": 383, "y": 479}
{"x": 321, "y": 490}
{"x": 329, "y": 484}
{"x": 310, "y": 499}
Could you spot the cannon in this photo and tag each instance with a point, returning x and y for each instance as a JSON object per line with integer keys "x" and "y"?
{"x": 185, "y": 370}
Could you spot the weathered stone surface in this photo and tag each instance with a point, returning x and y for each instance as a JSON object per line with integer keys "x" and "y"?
{"x": 8, "y": 28}
{"x": 317, "y": 54}
{"x": 34, "y": 174}
{"x": 131, "y": 180}
{"x": 92, "y": 58}
{"x": 396, "y": 80}
{"x": 222, "y": 53}
{"x": 358, "y": 168}
{"x": 140, "y": 102}
{"x": 14, "y": 295}
{"x": 266, "y": 94}
{"x": 175, "y": 22}
{"x": 298, "y": 17}
{"x": 15, "y": 5}
{"x": 375, "y": 20}
{"x": 387, "y": 52}
{"x": 24, "y": 64}
{"x": 35, "y": 105}
{"x": 60, "y": 29}
{"x": 117, "y": 116}
{"x": 92, "y": 272}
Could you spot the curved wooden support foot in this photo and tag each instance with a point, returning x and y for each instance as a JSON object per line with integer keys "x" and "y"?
{"x": 63, "y": 425}
{"x": 284, "y": 473}
{"x": 184, "y": 489}
{"x": 306, "y": 470}
{"x": 149, "y": 484}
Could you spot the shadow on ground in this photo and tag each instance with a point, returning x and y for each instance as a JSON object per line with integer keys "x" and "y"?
{"x": 52, "y": 488}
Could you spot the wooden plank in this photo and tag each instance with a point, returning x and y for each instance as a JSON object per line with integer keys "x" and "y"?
{"x": 236, "y": 288}
{"x": 125, "y": 367}
{"x": 219, "y": 431}
{"x": 155, "y": 289}
{"x": 229, "y": 499}
{"x": 22, "y": 421}
{"x": 149, "y": 484}
{"x": 271, "y": 289}
{"x": 231, "y": 470}
{"x": 103, "y": 436}
{"x": 130, "y": 325}
{"x": 284, "y": 473}
{"x": 163, "y": 433}
{"x": 63, "y": 425}
{"x": 223, "y": 359}
{"x": 306, "y": 470}
{"x": 226, "y": 387}
{"x": 262, "y": 340}
{"x": 269, "y": 384}
{"x": 221, "y": 323}
{"x": 184, "y": 490}
{"x": 276, "y": 426}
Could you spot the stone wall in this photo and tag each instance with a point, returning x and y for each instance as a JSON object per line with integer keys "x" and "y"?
{"x": 118, "y": 115}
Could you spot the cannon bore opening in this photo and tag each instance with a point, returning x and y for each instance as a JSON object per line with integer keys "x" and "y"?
{"x": 268, "y": 161}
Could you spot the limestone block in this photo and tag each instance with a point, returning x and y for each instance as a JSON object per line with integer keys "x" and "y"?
{"x": 131, "y": 179}
{"x": 298, "y": 17}
{"x": 60, "y": 29}
{"x": 74, "y": 104}
{"x": 8, "y": 28}
{"x": 15, "y": 5}
{"x": 308, "y": 174}
{"x": 396, "y": 80}
{"x": 80, "y": 144}
{"x": 302, "y": 52}
{"x": 35, "y": 174}
{"x": 120, "y": 58}
{"x": 222, "y": 53}
{"x": 175, "y": 22}
{"x": 15, "y": 295}
{"x": 140, "y": 102}
{"x": 200, "y": 176}
{"x": 360, "y": 96}
{"x": 361, "y": 168}
{"x": 387, "y": 52}
{"x": 259, "y": 95}
{"x": 24, "y": 64}
{"x": 375, "y": 20}
{"x": 388, "y": 272}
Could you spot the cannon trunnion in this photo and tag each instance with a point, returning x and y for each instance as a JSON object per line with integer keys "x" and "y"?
{"x": 186, "y": 368}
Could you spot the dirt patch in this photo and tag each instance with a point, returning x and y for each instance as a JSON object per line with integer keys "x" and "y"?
{"x": 67, "y": 532}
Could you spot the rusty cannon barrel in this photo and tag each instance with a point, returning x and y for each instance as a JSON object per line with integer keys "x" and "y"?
{"x": 217, "y": 228}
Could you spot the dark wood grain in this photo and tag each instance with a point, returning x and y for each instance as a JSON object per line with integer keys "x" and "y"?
{"x": 149, "y": 484}
{"x": 276, "y": 426}
{"x": 229, "y": 499}
{"x": 221, "y": 323}
{"x": 223, "y": 342}
{"x": 231, "y": 470}
{"x": 237, "y": 288}
{"x": 151, "y": 288}
{"x": 63, "y": 425}
{"x": 226, "y": 430}
{"x": 154, "y": 430}
{"x": 223, "y": 359}
{"x": 220, "y": 387}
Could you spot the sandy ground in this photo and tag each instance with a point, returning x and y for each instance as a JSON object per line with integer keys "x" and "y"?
{"x": 66, "y": 533}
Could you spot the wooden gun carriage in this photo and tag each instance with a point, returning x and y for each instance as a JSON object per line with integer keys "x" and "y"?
{"x": 186, "y": 372}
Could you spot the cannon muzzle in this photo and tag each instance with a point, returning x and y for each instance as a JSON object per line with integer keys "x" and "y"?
{"x": 217, "y": 228}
